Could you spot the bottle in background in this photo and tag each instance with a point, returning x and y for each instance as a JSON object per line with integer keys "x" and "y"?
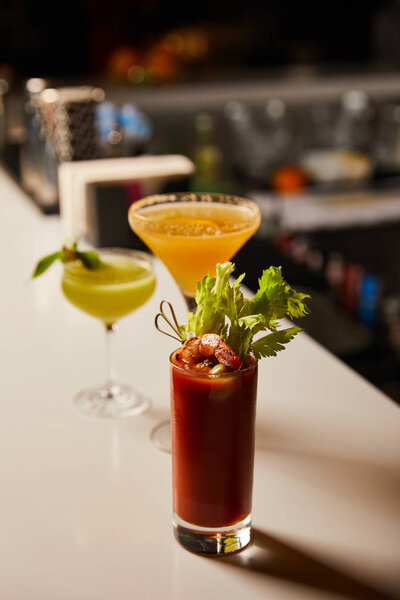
{"x": 350, "y": 292}
{"x": 353, "y": 127}
{"x": 32, "y": 149}
{"x": 391, "y": 311}
{"x": 136, "y": 130}
{"x": 334, "y": 273}
{"x": 278, "y": 134}
{"x": 369, "y": 297}
{"x": 206, "y": 155}
{"x": 108, "y": 129}
{"x": 250, "y": 152}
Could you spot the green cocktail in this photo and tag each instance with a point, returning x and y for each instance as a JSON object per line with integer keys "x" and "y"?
{"x": 109, "y": 293}
{"x": 124, "y": 282}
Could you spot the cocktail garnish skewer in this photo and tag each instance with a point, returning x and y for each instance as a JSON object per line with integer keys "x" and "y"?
{"x": 174, "y": 325}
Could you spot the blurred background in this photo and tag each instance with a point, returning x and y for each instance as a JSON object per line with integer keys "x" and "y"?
{"x": 296, "y": 105}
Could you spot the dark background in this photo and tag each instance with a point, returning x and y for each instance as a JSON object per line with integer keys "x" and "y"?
{"x": 76, "y": 38}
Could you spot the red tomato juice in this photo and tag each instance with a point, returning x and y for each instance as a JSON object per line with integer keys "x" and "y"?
{"x": 212, "y": 426}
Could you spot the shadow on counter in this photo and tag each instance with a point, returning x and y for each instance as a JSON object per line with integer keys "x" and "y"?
{"x": 270, "y": 556}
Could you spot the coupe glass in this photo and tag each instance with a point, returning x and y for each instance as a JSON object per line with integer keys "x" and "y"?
{"x": 125, "y": 283}
{"x": 191, "y": 233}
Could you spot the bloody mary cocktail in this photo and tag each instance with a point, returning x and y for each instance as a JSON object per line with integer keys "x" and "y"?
{"x": 213, "y": 403}
{"x": 212, "y": 424}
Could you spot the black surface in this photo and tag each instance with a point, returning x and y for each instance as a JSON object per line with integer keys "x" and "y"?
{"x": 374, "y": 358}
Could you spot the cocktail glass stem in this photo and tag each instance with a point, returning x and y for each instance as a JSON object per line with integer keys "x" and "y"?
{"x": 110, "y": 335}
{"x": 112, "y": 400}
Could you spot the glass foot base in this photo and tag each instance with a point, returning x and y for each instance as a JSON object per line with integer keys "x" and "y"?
{"x": 213, "y": 541}
{"x": 161, "y": 436}
{"x": 113, "y": 401}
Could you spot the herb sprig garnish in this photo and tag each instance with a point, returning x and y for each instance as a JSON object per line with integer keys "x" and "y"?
{"x": 222, "y": 309}
{"x": 68, "y": 253}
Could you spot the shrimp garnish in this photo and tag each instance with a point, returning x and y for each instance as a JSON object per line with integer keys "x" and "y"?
{"x": 209, "y": 346}
{"x": 190, "y": 351}
{"x": 213, "y": 345}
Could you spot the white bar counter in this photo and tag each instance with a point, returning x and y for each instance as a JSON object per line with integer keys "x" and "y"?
{"x": 86, "y": 505}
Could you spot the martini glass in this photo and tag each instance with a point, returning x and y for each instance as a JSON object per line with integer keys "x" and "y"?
{"x": 191, "y": 233}
{"x": 124, "y": 284}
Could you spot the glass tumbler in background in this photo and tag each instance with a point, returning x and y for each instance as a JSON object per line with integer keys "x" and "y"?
{"x": 212, "y": 427}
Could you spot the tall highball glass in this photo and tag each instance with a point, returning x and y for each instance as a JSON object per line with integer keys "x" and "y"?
{"x": 212, "y": 427}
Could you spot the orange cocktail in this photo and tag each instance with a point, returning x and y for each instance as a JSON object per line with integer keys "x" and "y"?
{"x": 191, "y": 233}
